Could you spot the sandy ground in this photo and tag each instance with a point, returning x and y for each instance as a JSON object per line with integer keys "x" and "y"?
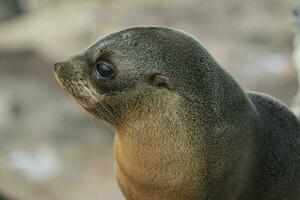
{"x": 52, "y": 150}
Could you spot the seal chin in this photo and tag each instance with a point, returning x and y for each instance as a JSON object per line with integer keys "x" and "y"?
{"x": 85, "y": 96}
{"x": 88, "y": 99}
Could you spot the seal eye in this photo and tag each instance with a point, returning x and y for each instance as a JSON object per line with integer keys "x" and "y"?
{"x": 105, "y": 70}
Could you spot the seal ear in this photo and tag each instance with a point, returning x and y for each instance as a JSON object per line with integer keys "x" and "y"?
{"x": 160, "y": 80}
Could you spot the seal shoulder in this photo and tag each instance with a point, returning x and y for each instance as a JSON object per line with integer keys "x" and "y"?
{"x": 275, "y": 109}
{"x": 277, "y": 139}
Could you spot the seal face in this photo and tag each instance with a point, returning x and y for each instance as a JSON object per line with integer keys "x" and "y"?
{"x": 102, "y": 73}
{"x": 185, "y": 129}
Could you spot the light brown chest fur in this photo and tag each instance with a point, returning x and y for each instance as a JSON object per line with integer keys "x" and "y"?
{"x": 150, "y": 166}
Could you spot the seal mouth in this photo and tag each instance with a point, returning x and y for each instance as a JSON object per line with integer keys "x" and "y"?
{"x": 79, "y": 90}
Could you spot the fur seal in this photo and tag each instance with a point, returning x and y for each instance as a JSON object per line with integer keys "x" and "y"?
{"x": 185, "y": 128}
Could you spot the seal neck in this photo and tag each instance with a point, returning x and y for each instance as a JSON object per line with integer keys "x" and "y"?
{"x": 156, "y": 156}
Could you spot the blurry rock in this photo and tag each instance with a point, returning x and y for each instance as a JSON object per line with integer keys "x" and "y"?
{"x": 9, "y": 9}
{"x": 268, "y": 65}
{"x": 38, "y": 166}
{"x": 4, "y": 197}
{"x": 296, "y": 55}
{"x": 32, "y": 5}
{"x": 68, "y": 29}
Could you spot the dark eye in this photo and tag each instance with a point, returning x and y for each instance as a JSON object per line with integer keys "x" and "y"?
{"x": 105, "y": 70}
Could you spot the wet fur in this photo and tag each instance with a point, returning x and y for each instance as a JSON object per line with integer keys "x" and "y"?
{"x": 206, "y": 139}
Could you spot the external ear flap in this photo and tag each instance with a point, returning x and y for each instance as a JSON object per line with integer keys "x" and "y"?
{"x": 162, "y": 81}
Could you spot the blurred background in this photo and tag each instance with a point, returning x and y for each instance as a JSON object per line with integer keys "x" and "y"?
{"x": 52, "y": 150}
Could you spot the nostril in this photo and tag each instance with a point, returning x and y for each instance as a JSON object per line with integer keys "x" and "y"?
{"x": 57, "y": 66}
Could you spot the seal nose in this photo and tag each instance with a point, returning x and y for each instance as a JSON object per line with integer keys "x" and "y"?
{"x": 57, "y": 66}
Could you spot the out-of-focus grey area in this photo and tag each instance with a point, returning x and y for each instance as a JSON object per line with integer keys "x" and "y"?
{"x": 52, "y": 150}
{"x": 296, "y": 55}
